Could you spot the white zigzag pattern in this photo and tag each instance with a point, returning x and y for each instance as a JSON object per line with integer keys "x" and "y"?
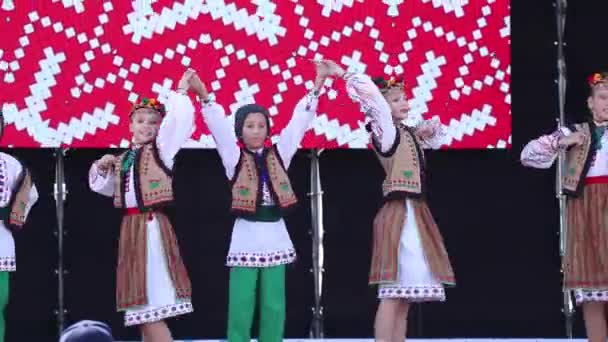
{"x": 450, "y": 5}
{"x": 426, "y": 82}
{"x": 77, "y": 4}
{"x": 467, "y": 124}
{"x": 501, "y": 143}
{"x": 77, "y": 128}
{"x": 31, "y": 120}
{"x": 393, "y": 7}
{"x": 343, "y": 134}
{"x": 422, "y": 93}
{"x": 8, "y": 5}
{"x": 330, "y": 6}
{"x": 265, "y": 24}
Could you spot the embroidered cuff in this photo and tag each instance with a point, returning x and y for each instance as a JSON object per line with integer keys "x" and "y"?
{"x": 210, "y": 100}
{"x": 557, "y": 135}
{"x": 311, "y": 97}
{"x": 314, "y": 93}
{"x": 348, "y": 75}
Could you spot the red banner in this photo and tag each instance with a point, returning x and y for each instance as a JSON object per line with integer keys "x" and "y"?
{"x": 70, "y": 69}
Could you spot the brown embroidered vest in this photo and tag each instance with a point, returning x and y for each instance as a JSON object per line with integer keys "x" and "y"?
{"x": 247, "y": 183}
{"x": 19, "y": 201}
{"x": 153, "y": 182}
{"x": 578, "y": 160}
{"x": 403, "y": 166}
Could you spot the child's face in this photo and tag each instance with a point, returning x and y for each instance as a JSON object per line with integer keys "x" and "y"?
{"x": 398, "y": 102}
{"x": 144, "y": 126}
{"x": 255, "y": 131}
{"x": 598, "y": 103}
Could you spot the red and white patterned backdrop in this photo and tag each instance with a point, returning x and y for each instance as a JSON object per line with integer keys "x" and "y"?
{"x": 71, "y": 68}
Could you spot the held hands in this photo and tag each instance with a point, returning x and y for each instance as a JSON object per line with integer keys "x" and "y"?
{"x": 334, "y": 68}
{"x": 184, "y": 82}
{"x": 197, "y": 86}
{"x": 191, "y": 81}
{"x": 326, "y": 68}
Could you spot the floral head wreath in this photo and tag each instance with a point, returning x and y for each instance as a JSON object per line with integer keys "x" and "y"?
{"x": 598, "y": 79}
{"x": 151, "y": 103}
{"x": 385, "y": 85}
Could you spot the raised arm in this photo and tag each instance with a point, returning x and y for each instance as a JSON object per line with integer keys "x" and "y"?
{"x": 303, "y": 114}
{"x": 362, "y": 90}
{"x": 223, "y": 135}
{"x": 220, "y": 127}
{"x": 291, "y": 136}
{"x": 178, "y": 124}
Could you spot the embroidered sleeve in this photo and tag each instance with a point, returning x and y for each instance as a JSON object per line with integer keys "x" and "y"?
{"x": 540, "y": 153}
{"x": 10, "y": 171}
{"x": 16, "y": 168}
{"x": 224, "y": 136}
{"x": 176, "y": 128}
{"x": 431, "y": 133}
{"x": 292, "y": 134}
{"x": 100, "y": 183}
{"x": 361, "y": 89}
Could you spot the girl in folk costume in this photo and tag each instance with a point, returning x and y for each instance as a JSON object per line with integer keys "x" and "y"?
{"x": 261, "y": 196}
{"x": 409, "y": 260}
{"x": 585, "y": 182}
{"x": 17, "y": 196}
{"x": 152, "y": 281}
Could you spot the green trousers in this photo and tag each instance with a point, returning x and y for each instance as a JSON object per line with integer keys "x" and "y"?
{"x": 246, "y": 284}
{"x": 3, "y": 301}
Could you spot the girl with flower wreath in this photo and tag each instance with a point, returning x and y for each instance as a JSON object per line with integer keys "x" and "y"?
{"x": 409, "y": 260}
{"x": 585, "y": 182}
{"x": 152, "y": 281}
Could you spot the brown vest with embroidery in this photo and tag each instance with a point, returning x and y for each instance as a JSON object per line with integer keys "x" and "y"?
{"x": 153, "y": 183}
{"x": 247, "y": 183}
{"x": 19, "y": 201}
{"x": 578, "y": 161}
{"x": 403, "y": 167}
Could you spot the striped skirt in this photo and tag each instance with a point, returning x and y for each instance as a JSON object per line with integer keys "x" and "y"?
{"x": 388, "y": 232}
{"x": 152, "y": 281}
{"x": 586, "y": 260}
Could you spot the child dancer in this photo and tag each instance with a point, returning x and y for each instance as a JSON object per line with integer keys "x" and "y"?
{"x": 17, "y": 196}
{"x": 585, "y": 182}
{"x": 261, "y": 196}
{"x": 409, "y": 260}
{"x": 152, "y": 281}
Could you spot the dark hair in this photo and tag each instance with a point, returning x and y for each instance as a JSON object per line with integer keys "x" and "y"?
{"x": 242, "y": 113}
